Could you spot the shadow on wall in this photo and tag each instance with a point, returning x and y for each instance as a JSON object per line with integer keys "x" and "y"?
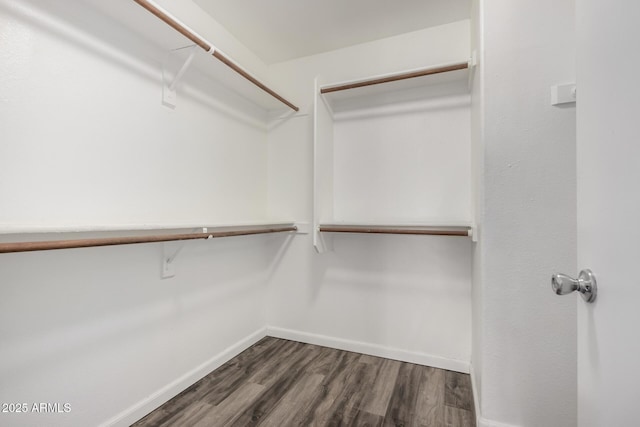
{"x": 432, "y": 264}
{"x": 78, "y": 24}
{"x": 110, "y": 298}
{"x": 404, "y": 261}
{"x": 405, "y": 292}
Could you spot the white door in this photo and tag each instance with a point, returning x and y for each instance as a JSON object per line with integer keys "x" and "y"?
{"x": 608, "y": 120}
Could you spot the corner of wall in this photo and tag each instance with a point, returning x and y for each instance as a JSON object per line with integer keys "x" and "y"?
{"x": 166, "y": 393}
{"x": 477, "y": 162}
{"x": 480, "y": 420}
{"x": 192, "y": 14}
{"x": 524, "y": 367}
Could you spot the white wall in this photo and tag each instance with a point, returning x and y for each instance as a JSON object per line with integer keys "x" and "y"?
{"x": 86, "y": 142}
{"x": 410, "y": 166}
{"x": 527, "y": 347}
{"x": 91, "y": 143}
{"x": 97, "y": 328}
{"x": 399, "y": 296}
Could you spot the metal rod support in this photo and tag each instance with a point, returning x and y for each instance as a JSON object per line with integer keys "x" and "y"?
{"x": 183, "y": 69}
{"x": 188, "y": 33}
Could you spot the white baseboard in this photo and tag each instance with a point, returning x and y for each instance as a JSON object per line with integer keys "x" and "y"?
{"x": 483, "y": 422}
{"x": 142, "y": 408}
{"x": 476, "y": 396}
{"x": 370, "y": 349}
{"x": 480, "y": 420}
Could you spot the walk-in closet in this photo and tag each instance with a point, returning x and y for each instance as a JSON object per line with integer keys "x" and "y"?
{"x": 293, "y": 213}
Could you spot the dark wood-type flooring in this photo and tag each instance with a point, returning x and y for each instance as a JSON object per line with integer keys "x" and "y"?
{"x": 286, "y": 383}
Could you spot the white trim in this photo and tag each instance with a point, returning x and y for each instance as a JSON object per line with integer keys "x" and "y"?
{"x": 145, "y": 406}
{"x": 476, "y": 395}
{"x": 480, "y": 420}
{"x": 370, "y": 349}
{"x": 483, "y": 422}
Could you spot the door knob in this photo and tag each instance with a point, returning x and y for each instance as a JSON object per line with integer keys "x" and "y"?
{"x": 585, "y": 284}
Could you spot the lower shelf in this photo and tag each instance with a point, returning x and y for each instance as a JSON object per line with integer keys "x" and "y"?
{"x": 30, "y": 246}
{"x": 434, "y": 230}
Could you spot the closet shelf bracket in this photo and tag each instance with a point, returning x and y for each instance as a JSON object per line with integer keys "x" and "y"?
{"x": 171, "y": 250}
{"x": 473, "y": 63}
{"x": 171, "y": 79}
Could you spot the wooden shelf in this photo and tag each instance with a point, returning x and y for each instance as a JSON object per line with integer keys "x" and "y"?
{"x": 395, "y": 77}
{"x": 397, "y": 143}
{"x": 159, "y": 27}
{"x": 33, "y": 229}
{"x": 44, "y": 245}
{"x": 415, "y": 229}
{"x": 397, "y": 87}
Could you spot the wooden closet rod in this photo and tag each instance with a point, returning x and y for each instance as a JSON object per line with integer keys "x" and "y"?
{"x": 111, "y": 241}
{"x": 410, "y": 75}
{"x": 390, "y": 230}
{"x": 169, "y": 20}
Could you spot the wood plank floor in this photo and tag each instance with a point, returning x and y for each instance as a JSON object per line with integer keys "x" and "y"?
{"x": 286, "y": 383}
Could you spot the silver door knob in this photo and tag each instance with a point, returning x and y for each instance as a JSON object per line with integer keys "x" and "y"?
{"x": 585, "y": 284}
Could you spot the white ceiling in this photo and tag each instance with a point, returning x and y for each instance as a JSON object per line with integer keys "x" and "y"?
{"x": 278, "y": 30}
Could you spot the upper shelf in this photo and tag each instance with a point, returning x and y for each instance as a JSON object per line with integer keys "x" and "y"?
{"x": 404, "y": 86}
{"x": 168, "y": 32}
